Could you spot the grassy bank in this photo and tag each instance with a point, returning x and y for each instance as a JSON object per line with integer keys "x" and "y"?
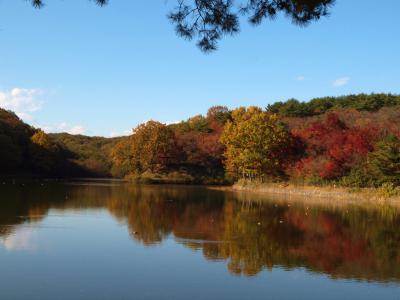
{"x": 387, "y": 194}
{"x": 177, "y": 177}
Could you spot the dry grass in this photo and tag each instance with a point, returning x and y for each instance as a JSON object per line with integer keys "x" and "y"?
{"x": 328, "y": 195}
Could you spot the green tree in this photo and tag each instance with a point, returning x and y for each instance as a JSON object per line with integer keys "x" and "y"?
{"x": 385, "y": 161}
{"x": 291, "y": 108}
{"x": 318, "y": 106}
{"x": 255, "y": 143}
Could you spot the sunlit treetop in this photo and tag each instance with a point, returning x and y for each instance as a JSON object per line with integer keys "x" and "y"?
{"x": 208, "y": 21}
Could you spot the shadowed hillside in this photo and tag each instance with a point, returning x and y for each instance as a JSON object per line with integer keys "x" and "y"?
{"x": 30, "y": 152}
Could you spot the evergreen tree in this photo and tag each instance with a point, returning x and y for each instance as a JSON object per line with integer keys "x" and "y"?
{"x": 385, "y": 161}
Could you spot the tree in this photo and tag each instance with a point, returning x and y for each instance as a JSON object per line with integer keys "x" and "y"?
{"x": 291, "y": 108}
{"x": 41, "y": 139}
{"x": 44, "y": 153}
{"x": 10, "y": 154}
{"x": 121, "y": 157}
{"x": 255, "y": 143}
{"x": 200, "y": 149}
{"x": 40, "y": 3}
{"x": 198, "y": 141}
{"x": 332, "y": 148}
{"x": 318, "y": 106}
{"x": 14, "y": 143}
{"x": 210, "y": 20}
{"x": 385, "y": 161}
{"x": 218, "y": 113}
{"x": 153, "y": 147}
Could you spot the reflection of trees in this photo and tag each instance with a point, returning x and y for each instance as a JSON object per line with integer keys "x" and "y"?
{"x": 251, "y": 236}
{"x": 18, "y": 206}
{"x": 152, "y": 213}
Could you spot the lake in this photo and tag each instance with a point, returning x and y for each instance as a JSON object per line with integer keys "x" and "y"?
{"x": 113, "y": 240}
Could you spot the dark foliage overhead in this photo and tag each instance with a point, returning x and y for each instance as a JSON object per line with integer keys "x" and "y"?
{"x": 209, "y": 20}
{"x": 40, "y": 3}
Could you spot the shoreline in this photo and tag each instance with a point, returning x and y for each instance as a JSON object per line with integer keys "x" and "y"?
{"x": 280, "y": 192}
{"x": 313, "y": 195}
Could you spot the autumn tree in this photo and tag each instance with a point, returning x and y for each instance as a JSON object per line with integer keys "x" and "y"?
{"x": 200, "y": 149}
{"x": 255, "y": 143}
{"x": 41, "y": 139}
{"x": 121, "y": 157}
{"x": 332, "y": 148}
{"x": 218, "y": 113}
{"x": 153, "y": 147}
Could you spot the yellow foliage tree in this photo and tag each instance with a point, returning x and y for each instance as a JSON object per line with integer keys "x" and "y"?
{"x": 41, "y": 139}
{"x": 255, "y": 143}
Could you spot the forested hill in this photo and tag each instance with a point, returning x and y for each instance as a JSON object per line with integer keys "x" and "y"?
{"x": 350, "y": 140}
{"x": 27, "y": 151}
{"x": 14, "y": 142}
{"x": 90, "y": 153}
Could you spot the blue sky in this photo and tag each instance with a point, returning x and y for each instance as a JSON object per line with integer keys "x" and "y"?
{"x": 73, "y": 66}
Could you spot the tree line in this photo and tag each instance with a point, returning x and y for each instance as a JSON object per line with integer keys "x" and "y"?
{"x": 350, "y": 140}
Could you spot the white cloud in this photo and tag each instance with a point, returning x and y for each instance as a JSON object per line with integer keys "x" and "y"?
{"x": 300, "y": 78}
{"x": 172, "y": 122}
{"x": 341, "y": 81}
{"x": 21, "y": 101}
{"x": 22, "y": 239}
{"x": 119, "y": 133}
{"x": 25, "y": 102}
{"x": 63, "y": 127}
{"x": 77, "y": 129}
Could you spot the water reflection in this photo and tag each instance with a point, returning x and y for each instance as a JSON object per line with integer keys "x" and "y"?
{"x": 249, "y": 234}
{"x": 21, "y": 240}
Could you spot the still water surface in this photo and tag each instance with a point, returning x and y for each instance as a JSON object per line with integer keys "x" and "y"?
{"x": 110, "y": 240}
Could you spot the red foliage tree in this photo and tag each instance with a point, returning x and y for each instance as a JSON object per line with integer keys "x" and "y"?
{"x": 332, "y": 148}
